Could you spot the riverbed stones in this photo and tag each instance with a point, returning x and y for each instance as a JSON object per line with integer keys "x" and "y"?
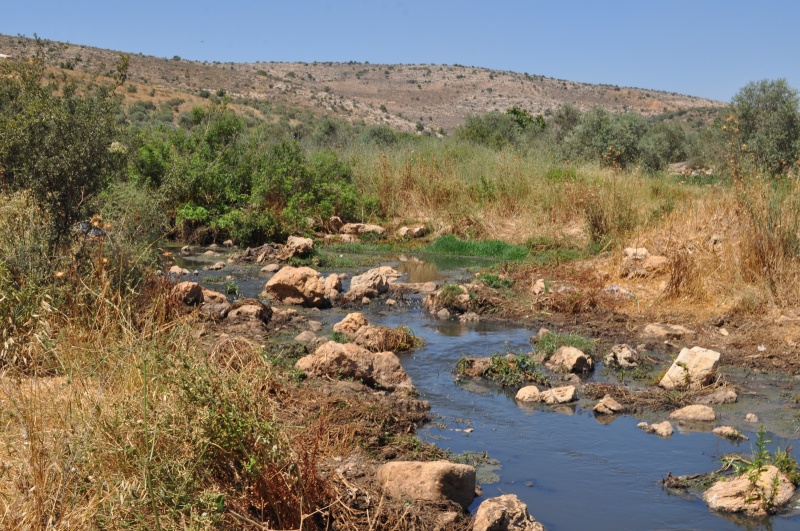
{"x": 190, "y": 293}
{"x": 718, "y": 397}
{"x": 662, "y": 429}
{"x": 559, "y": 395}
{"x": 215, "y": 267}
{"x": 187, "y": 250}
{"x": 357, "y": 229}
{"x": 663, "y": 332}
{"x": 504, "y": 513}
{"x": 415, "y": 231}
{"x": 178, "y": 271}
{"x": 772, "y": 490}
{"x": 622, "y": 356}
{"x": 297, "y": 285}
{"x": 569, "y": 359}
{"x": 372, "y": 283}
{"x": 306, "y": 337}
{"x": 608, "y": 406}
{"x": 529, "y": 393}
{"x": 214, "y": 303}
{"x": 248, "y": 310}
{"x": 228, "y": 244}
{"x": 434, "y": 481}
{"x": 333, "y": 287}
{"x": 296, "y": 247}
{"x": 469, "y": 317}
{"x": 728, "y": 432}
{"x": 751, "y": 417}
{"x": 271, "y": 268}
{"x": 350, "y": 324}
{"x": 694, "y": 413}
{"x": 693, "y": 368}
{"x": 382, "y": 338}
{"x": 337, "y": 360}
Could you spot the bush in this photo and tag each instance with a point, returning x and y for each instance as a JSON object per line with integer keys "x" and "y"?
{"x": 495, "y": 130}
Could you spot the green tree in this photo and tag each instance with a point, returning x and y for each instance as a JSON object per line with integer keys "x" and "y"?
{"x": 769, "y": 123}
{"x": 57, "y": 141}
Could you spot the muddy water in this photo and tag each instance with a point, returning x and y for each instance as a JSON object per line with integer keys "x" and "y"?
{"x": 574, "y": 471}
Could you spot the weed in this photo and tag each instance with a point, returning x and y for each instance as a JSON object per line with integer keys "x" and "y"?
{"x": 551, "y": 341}
{"x": 495, "y": 281}
{"x": 450, "y": 245}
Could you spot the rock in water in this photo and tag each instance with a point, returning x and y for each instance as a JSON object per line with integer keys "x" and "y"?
{"x": 506, "y": 513}
{"x": 431, "y": 481}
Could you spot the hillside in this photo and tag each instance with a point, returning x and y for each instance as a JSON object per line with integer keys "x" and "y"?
{"x": 402, "y": 96}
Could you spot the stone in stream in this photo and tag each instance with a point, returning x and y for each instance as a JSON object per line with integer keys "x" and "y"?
{"x": 190, "y": 293}
{"x": 504, "y": 513}
{"x": 728, "y": 432}
{"x": 337, "y": 360}
{"x": 296, "y": 247}
{"x": 693, "y": 368}
{"x": 529, "y": 393}
{"x": 333, "y": 287}
{"x": 297, "y": 285}
{"x": 751, "y": 417}
{"x": 306, "y": 337}
{"x": 622, "y": 356}
{"x": 720, "y": 396}
{"x": 694, "y": 413}
{"x": 434, "y": 481}
{"x": 662, "y": 429}
{"x": 738, "y": 495}
{"x": 569, "y": 359}
{"x": 350, "y": 324}
{"x": 271, "y": 268}
{"x": 372, "y": 283}
{"x": 214, "y": 303}
{"x": 178, "y": 271}
{"x": 608, "y": 406}
{"x": 559, "y": 395}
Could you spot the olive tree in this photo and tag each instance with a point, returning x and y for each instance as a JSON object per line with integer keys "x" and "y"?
{"x": 769, "y": 123}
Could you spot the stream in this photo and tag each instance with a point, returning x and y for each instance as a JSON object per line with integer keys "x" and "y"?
{"x": 573, "y": 470}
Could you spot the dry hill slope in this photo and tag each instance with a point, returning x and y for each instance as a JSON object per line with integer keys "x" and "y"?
{"x": 437, "y": 96}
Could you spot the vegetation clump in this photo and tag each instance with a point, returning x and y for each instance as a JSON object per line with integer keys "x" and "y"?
{"x": 509, "y": 370}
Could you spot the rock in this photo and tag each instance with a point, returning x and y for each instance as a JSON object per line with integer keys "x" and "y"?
{"x": 228, "y": 243}
{"x": 215, "y": 267}
{"x": 662, "y": 429}
{"x": 248, "y": 310}
{"x": 211, "y": 253}
{"x": 570, "y": 359}
{"x": 335, "y": 224}
{"x": 475, "y": 367}
{"x": 314, "y": 326}
{"x": 738, "y": 495}
{"x": 693, "y": 368}
{"x": 720, "y": 396}
{"x": 213, "y": 246}
{"x": 529, "y": 393}
{"x": 694, "y": 413}
{"x": 214, "y": 303}
{"x": 187, "y": 250}
{"x": 538, "y": 287}
{"x": 608, "y": 406}
{"x": 504, "y": 513}
{"x": 660, "y": 331}
{"x": 414, "y": 287}
{"x": 190, "y": 293}
{"x": 372, "y": 283}
{"x": 357, "y": 229}
{"x": 391, "y": 302}
{"x": 271, "y": 268}
{"x": 751, "y": 417}
{"x": 178, "y": 271}
{"x": 559, "y": 395}
{"x": 469, "y": 317}
{"x": 541, "y": 333}
{"x": 306, "y": 337}
{"x": 444, "y": 313}
{"x": 622, "y": 356}
{"x": 333, "y": 287}
{"x": 296, "y": 247}
{"x": 434, "y": 481}
{"x": 446, "y": 520}
{"x": 297, "y": 285}
{"x": 728, "y": 432}
{"x": 350, "y": 324}
{"x": 337, "y": 360}
{"x": 417, "y": 231}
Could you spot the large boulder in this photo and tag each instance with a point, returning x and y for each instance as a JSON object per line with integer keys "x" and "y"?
{"x": 296, "y": 247}
{"x": 693, "y": 368}
{"x": 434, "y": 481}
{"x": 337, "y": 360}
{"x": 771, "y": 490}
{"x": 504, "y": 513}
{"x": 372, "y": 283}
{"x": 190, "y": 293}
{"x": 350, "y": 324}
{"x": 297, "y": 285}
{"x": 570, "y": 359}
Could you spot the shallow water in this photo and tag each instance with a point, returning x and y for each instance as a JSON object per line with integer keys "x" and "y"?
{"x": 573, "y": 471}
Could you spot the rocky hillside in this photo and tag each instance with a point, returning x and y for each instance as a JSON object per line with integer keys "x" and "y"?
{"x": 402, "y": 96}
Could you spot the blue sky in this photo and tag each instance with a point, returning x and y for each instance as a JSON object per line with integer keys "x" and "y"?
{"x": 707, "y": 48}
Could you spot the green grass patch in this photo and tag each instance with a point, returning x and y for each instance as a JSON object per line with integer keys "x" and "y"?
{"x": 508, "y": 370}
{"x": 450, "y": 245}
{"x": 494, "y": 281}
{"x": 549, "y": 343}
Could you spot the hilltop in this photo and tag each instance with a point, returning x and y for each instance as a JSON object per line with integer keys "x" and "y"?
{"x": 437, "y": 97}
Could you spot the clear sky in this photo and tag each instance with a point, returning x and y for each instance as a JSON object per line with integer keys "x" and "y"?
{"x": 708, "y": 48}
